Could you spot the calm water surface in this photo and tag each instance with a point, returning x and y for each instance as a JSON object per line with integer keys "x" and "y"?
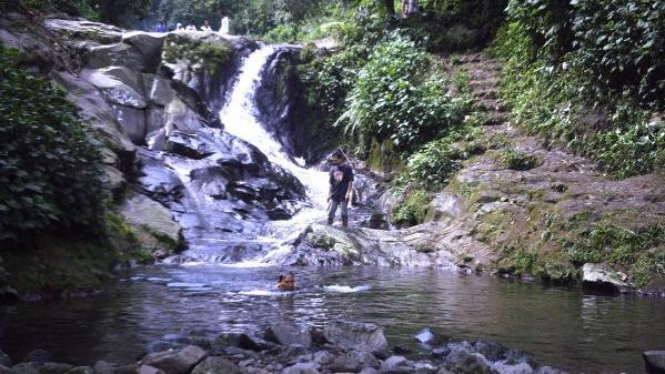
{"x": 565, "y": 328}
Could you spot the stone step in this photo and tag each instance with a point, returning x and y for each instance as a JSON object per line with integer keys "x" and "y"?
{"x": 485, "y": 65}
{"x": 489, "y": 105}
{"x": 477, "y": 75}
{"x": 497, "y": 118}
{"x": 465, "y": 59}
{"x": 489, "y": 93}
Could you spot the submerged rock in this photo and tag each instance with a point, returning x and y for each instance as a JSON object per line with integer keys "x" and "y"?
{"x": 654, "y": 362}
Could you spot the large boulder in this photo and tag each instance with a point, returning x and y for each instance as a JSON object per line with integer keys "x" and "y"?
{"x": 462, "y": 362}
{"x": 119, "y": 54}
{"x": 158, "y": 181}
{"x": 180, "y": 116}
{"x": 152, "y": 224}
{"x": 176, "y": 362}
{"x": 654, "y": 362}
{"x": 133, "y": 122}
{"x": 150, "y": 46}
{"x": 119, "y": 85}
{"x": 353, "y": 362}
{"x": 85, "y": 30}
{"x": 96, "y": 113}
{"x": 287, "y": 334}
{"x": 603, "y": 277}
{"x": 357, "y": 336}
{"x": 160, "y": 92}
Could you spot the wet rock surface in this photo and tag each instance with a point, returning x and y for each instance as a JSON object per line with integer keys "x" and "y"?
{"x": 603, "y": 277}
{"x": 341, "y": 347}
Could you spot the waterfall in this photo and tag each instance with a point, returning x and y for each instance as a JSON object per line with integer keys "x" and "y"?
{"x": 240, "y": 118}
{"x": 224, "y": 230}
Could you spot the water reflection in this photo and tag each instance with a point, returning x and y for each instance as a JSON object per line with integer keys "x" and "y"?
{"x": 565, "y": 328}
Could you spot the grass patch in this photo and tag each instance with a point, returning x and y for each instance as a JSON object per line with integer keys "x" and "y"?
{"x": 519, "y": 161}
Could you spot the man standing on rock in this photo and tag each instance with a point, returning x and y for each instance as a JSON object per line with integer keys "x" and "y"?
{"x": 341, "y": 186}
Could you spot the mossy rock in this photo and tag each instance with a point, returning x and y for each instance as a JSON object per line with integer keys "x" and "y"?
{"x": 328, "y": 238}
{"x": 210, "y": 51}
{"x": 153, "y": 225}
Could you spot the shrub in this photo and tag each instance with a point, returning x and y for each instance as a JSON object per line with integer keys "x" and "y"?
{"x": 620, "y": 247}
{"x": 435, "y": 164}
{"x": 620, "y": 47}
{"x": 328, "y": 80}
{"x": 564, "y": 60}
{"x": 413, "y": 210}
{"x": 282, "y": 33}
{"x": 399, "y": 96}
{"x": 50, "y": 173}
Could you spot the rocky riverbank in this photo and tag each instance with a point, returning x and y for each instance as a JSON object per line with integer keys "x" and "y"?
{"x": 286, "y": 348}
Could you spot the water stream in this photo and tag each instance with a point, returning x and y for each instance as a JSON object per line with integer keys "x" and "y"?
{"x": 565, "y": 328}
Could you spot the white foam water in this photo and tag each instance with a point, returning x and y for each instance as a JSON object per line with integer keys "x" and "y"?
{"x": 346, "y": 289}
{"x": 239, "y": 117}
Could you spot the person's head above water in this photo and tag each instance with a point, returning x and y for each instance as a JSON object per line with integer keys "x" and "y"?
{"x": 286, "y": 282}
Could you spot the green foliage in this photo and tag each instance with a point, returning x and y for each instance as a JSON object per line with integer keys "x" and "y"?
{"x": 282, "y": 33}
{"x": 413, "y": 209}
{"x": 80, "y": 8}
{"x": 620, "y": 247}
{"x": 400, "y": 96}
{"x": 50, "y": 172}
{"x": 278, "y": 21}
{"x": 620, "y": 45}
{"x": 213, "y": 55}
{"x": 515, "y": 160}
{"x": 125, "y": 13}
{"x": 454, "y": 25}
{"x": 568, "y": 62}
{"x": 522, "y": 260}
{"x": 328, "y": 80}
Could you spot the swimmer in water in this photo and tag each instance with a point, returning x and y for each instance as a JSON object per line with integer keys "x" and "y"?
{"x": 286, "y": 282}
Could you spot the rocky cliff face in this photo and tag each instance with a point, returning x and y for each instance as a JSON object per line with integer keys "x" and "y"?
{"x": 152, "y": 101}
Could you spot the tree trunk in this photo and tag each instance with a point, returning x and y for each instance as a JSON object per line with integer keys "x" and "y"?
{"x": 390, "y": 7}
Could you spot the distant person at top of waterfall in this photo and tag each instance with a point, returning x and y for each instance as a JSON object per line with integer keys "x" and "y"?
{"x": 160, "y": 27}
{"x": 190, "y": 28}
{"x": 224, "y": 29}
{"x": 179, "y": 27}
{"x": 341, "y": 187}
{"x": 409, "y": 7}
{"x": 206, "y": 26}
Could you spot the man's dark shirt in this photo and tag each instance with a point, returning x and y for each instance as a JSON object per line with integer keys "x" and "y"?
{"x": 340, "y": 177}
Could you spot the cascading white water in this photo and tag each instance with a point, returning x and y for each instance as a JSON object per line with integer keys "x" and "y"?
{"x": 239, "y": 117}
